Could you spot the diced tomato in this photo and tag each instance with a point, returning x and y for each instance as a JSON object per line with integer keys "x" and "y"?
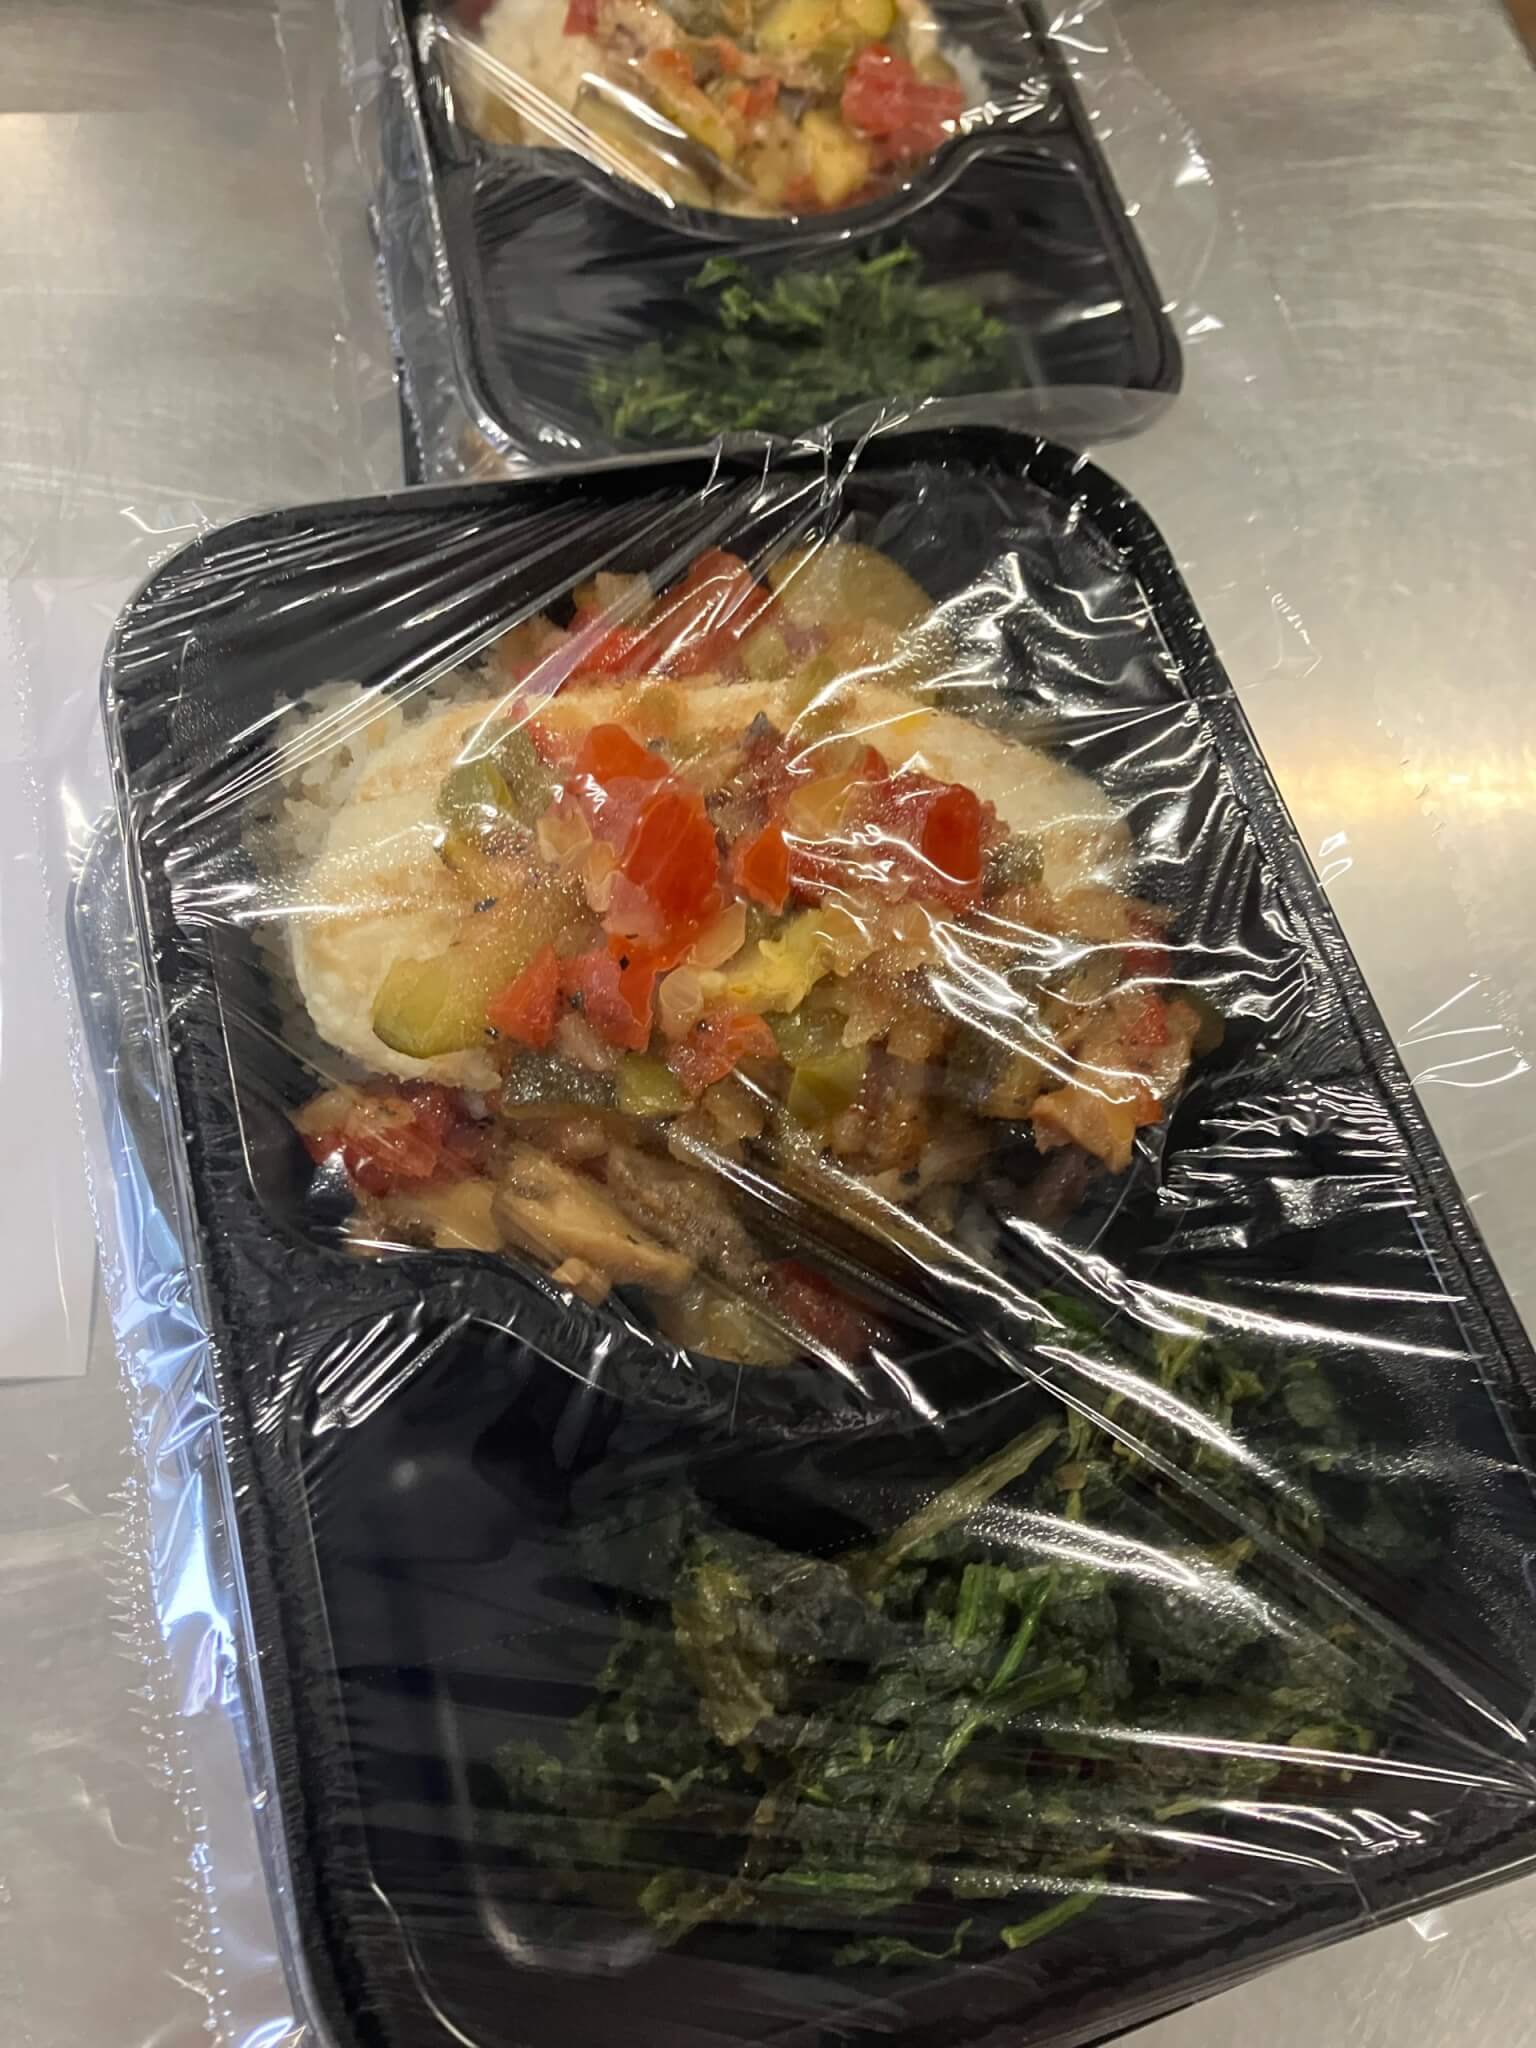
{"x": 761, "y": 867}
{"x": 1145, "y": 963}
{"x": 580, "y": 18}
{"x": 1145, "y": 1024}
{"x": 669, "y": 878}
{"x": 727, "y": 56}
{"x": 610, "y": 752}
{"x": 1150, "y": 962}
{"x": 699, "y": 652}
{"x": 717, "y": 1045}
{"x": 525, "y": 1008}
{"x": 700, "y": 625}
{"x": 884, "y": 97}
{"x": 935, "y": 833}
{"x": 755, "y": 99}
{"x": 466, "y": 1150}
{"x": 551, "y": 746}
{"x": 612, "y": 779}
{"x": 903, "y": 834}
{"x": 614, "y": 653}
{"x": 951, "y": 841}
{"x": 818, "y": 1307}
{"x": 614, "y": 993}
{"x": 744, "y": 597}
{"x": 387, "y": 1139}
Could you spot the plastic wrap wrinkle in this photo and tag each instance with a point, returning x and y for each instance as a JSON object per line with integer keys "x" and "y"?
{"x": 1128, "y": 1583}
{"x": 183, "y": 1616}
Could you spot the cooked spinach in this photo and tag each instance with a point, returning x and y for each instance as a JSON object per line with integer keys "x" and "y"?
{"x": 991, "y": 1702}
{"x": 781, "y": 358}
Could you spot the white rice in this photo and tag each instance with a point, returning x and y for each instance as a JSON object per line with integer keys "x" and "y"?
{"x": 527, "y": 38}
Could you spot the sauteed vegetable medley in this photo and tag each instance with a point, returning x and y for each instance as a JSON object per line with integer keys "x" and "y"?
{"x": 702, "y": 900}
{"x": 748, "y": 106}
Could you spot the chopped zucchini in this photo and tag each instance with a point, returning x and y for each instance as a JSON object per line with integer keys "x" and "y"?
{"x": 646, "y": 1086}
{"x": 765, "y": 657}
{"x": 474, "y": 797}
{"x": 1018, "y": 1080}
{"x": 1014, "y": 863}
{"x": 529, "y": 789}
{"x": 826, "y": 1084}
{"x": 777, "y": 974}
{"x": 1213, "y": 1026}
{"x": 649, "y": 150}
{"x": 542, "y": 1084}
{"x": 811, "y": 1032}
{"x": 691, "y": 109}
{"x": 427, "y": 1007}
{"x": 509, "y": 785}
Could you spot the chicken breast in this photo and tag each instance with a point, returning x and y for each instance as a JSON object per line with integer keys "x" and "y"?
{"x": 378, "y": 892}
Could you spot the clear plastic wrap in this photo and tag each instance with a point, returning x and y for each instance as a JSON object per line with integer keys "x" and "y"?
{"x": 551, "y": 297}
{"x": 948, "y": 1459}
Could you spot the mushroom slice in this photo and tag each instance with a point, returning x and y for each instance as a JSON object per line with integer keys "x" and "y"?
{"x": 562, "y": 1216}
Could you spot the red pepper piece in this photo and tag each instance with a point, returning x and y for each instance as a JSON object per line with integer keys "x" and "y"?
{"x": 717, "y": 1044}
{"x": 613, "y": 993}
{"x": 669, "y": 878}
{"x": 761, "y": 867}
{"x": 525, "y": 1009}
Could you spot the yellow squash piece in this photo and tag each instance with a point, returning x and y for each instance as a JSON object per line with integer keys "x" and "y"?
{"x": 872, "y": 18}
{"x": 690, "y": 107}
{"x": 776, "y": 975}
{"x": 796, "y": 26}
{"x": 646, "y": 148}
{"x": 837, "y": 160}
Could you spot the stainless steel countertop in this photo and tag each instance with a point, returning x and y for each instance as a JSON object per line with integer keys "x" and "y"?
{"x": 1349, "y": 484}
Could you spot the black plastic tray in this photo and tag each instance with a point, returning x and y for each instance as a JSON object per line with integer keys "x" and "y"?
{"x": 413, "y": 1441}
{"x": 543, "y": 259}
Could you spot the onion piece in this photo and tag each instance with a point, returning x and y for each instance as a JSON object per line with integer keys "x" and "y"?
{"x": 563, "y": 835}
{"x": 720, "y": 941}
{"x": 599, "y": 873}
{"x": 682, "y": 997}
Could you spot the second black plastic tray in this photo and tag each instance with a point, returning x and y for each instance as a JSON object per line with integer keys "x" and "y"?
{"x": 424, "y": 1448}
{"x": 545, "y": 265}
